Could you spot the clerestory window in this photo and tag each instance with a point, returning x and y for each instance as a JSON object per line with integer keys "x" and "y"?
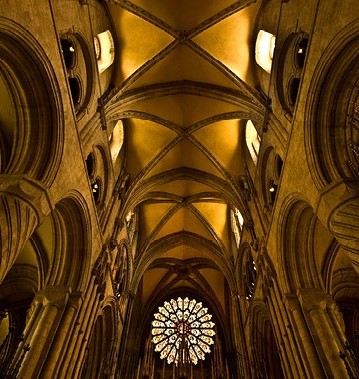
{"x": 264, "y": 50}
{"x": 104, "y": 50}
{"x": 237, "y": 225}
{"x": 253, "y": 140}
{"x": 116, "y": 140}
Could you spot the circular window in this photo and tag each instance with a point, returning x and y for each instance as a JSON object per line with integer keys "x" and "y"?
{"x": 182, "y": 330}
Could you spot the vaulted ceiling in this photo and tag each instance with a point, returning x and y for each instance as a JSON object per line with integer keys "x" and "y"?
{"x": 184, "y": 88}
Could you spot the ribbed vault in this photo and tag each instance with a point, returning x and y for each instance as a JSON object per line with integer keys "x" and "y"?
{"x": 184, "y": 80}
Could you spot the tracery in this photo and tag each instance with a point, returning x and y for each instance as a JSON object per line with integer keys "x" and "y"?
{"x": 182, "y": 328}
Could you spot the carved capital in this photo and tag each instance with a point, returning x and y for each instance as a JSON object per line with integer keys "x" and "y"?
{"x": 313, "y": 299}
{"x": 55, "y": 295}
{"x": 292, "y": 303}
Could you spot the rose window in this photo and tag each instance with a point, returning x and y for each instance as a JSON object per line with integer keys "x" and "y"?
{"x": 182, "y": 331}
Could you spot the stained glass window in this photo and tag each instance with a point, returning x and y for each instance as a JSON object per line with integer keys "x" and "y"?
{"x": 182, "y": 326}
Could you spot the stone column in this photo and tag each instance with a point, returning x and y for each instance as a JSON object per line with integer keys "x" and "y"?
{"x": 304, "y": 342}
{"x": 87, "y": 329}
{"x": 280, "y": 335}
{"x": 237, "y": 328}
{"x": 279, "y": 319}
{"x": 83, "y": 320}
{"x": 314, "y": 305}
{"x": 23, "y": 205}
{"x": 63, "y": 334}
{"x": 289, "y": 344}
{"x": 123, "y": 364}
{"x": 54, "y": 300}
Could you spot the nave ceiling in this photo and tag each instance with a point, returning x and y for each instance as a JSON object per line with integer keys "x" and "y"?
{"x": 184, "y": 89}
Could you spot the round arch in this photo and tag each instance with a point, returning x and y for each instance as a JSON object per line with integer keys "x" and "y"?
{"x": 71, "y": 229}
{"x": 264, "y": 352}
{"x": 246, "y": 274}
{"x": 299, "y": 233}
{"x": 328, "y": 136}
{"x": 37, "y": 115}
{"x": 102, "y": 344}
{"x": 123, "y": 270}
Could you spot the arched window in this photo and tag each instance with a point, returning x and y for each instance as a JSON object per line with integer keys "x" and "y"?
{"x": 300, "y": 52}
{"x": 77, "y": 60}
{"x": 105, "y": 50}
{"x": 237, "y": 225}
{"x": 120, "y": 272}
{"x": 253, "y": 140}
{"x": 264, "y": 50}
{"x": 96, "y": 190}
{"x": 249, "y": 274}
{"x": 116, "y": 140}
{"x": 69, "y": 52}
{"x": 290, "y": 65}
{"x": 75, "y": 90}
{"x": 90, "y": 165}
